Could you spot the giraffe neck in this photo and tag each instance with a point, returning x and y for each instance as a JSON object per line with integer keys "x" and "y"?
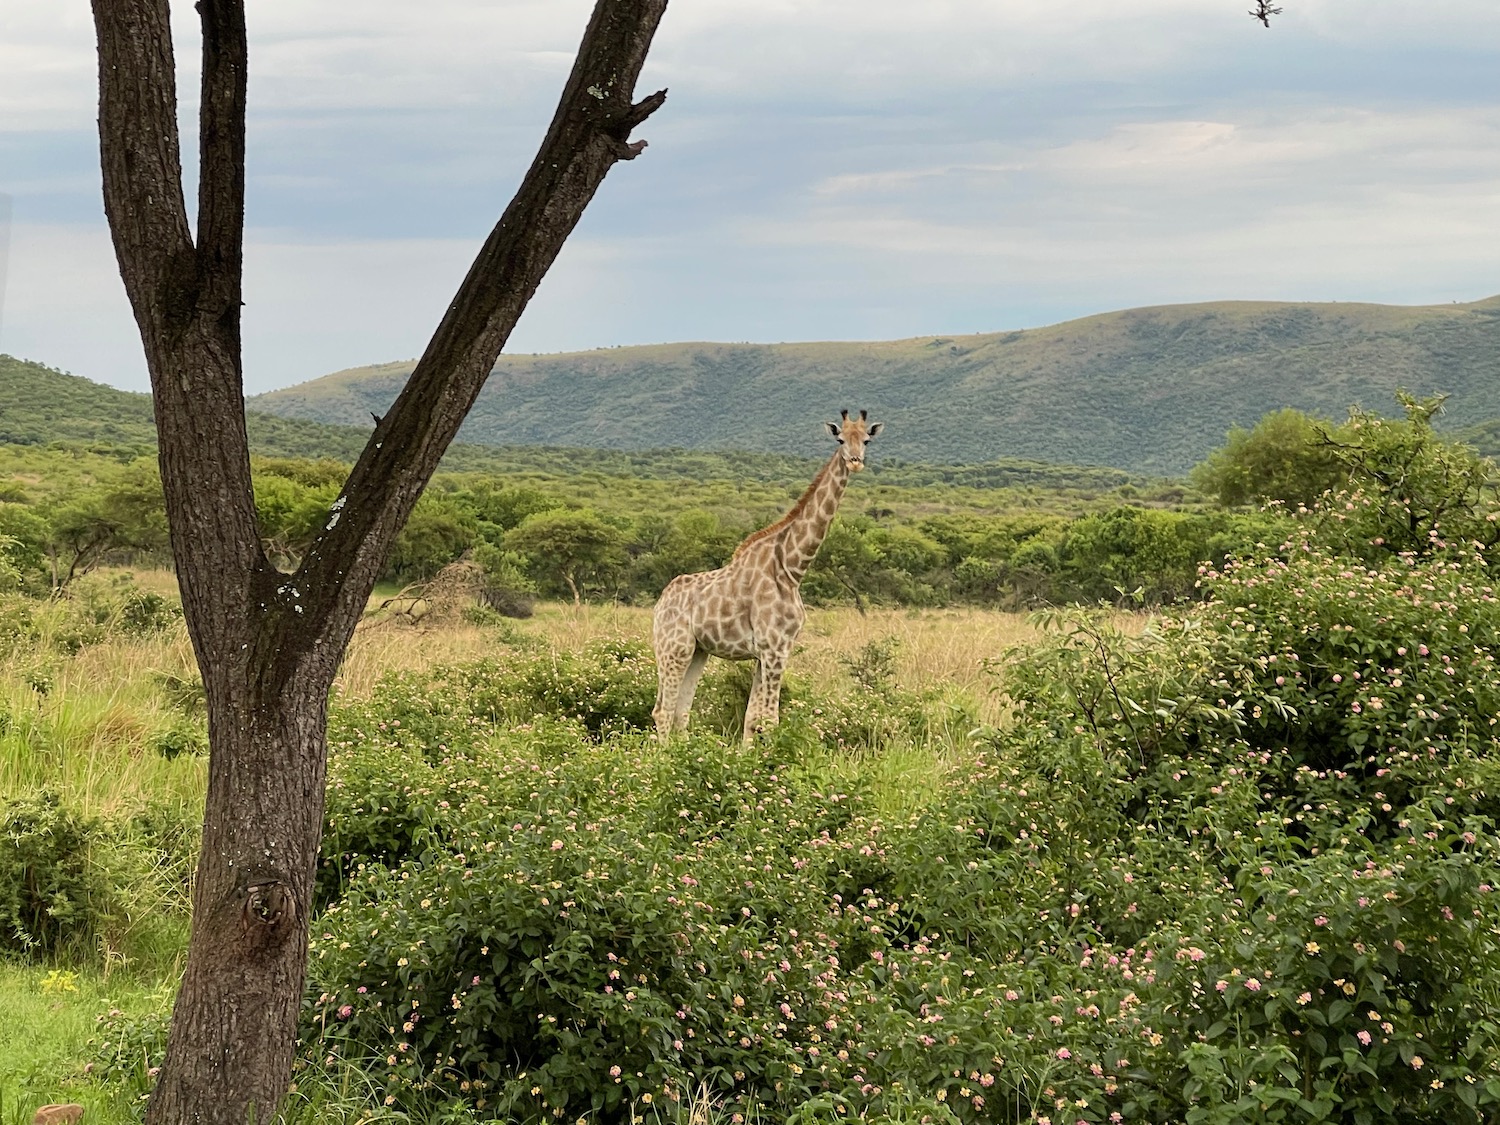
{"x": 807, "y": 523}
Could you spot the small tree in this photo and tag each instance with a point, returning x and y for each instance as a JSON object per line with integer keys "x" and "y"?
{"x": 1410, "y": 489}
{"x": 268, "y": 643}
{"x": 569, "y": 549}
{"x": 1283, "y": 458}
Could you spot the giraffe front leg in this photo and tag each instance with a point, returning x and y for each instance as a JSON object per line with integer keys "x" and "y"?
{"x": 752, "y": 705}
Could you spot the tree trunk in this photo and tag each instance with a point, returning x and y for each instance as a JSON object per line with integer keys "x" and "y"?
{"x": 233, "y": 1028}
{"x": 268, "y": 644}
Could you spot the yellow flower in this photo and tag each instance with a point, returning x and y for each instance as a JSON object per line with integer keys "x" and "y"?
{"x": 59, "y": 980}
{"x": 1313, "y": 948}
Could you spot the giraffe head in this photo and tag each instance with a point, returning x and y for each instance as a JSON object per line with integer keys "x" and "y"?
{"x": 853, "y": 435}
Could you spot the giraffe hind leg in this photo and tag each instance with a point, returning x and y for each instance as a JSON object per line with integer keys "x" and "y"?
{"x": 690, "y": 678}
{"x": 672, "y": 664}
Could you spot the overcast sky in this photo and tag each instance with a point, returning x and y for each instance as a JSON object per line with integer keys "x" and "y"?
{"x": 823, "y": 169}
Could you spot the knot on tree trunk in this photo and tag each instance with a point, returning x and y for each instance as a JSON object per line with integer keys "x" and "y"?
{"x": 270, "y": 910}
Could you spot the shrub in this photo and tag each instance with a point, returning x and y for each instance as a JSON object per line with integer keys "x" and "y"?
{"x": 1203, "y": 877}
{"x": 128, "y": 1048}
{"x": 50, "y": 896}
{"x": 181, "y": 738}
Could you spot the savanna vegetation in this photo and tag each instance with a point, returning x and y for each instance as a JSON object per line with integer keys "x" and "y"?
{"x": 1231, "y": 861}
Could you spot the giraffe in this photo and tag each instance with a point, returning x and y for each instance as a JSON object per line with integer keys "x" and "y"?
{"x": 751, "y": 608}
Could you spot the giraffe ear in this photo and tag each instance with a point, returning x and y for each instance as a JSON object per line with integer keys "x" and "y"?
{"x": 833, "y": 428}
{"x": 874, "y": 429}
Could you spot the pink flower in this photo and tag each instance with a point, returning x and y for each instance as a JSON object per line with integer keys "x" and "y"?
{"x": 614, "y": 1072}
{"x": 1064, "y": 1053}
{"x": 346, "y": 1011}
{"x": 1320, "y": 921}
{"x": 1253, "y": 985}
{"x": 557, "y": 845}
{"x": 1364, "y": 1037}
{"x": 1012, "y": 994}
{"x": 1196, "y": 954}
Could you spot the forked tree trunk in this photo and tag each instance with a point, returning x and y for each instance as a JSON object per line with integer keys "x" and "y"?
{"x": 268, "y": 643}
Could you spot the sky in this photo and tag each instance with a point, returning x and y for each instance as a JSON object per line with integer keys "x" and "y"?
{"x": 823, "y": 169}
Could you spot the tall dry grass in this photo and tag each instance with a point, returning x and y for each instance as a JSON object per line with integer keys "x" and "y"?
{"x": 951, "y": 649}
{"x": 89, "y": 724}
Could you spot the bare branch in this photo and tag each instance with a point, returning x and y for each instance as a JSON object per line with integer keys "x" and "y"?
{"x": 589, "y": 133}
{"x": 186, "y": 298}
{"x": 1263, "y": 11}
{"x": 139, "y": 154}
{"x": 221, "y": 145}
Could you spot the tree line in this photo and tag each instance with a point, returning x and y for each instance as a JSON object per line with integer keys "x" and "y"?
{"x": 588, "y": 536}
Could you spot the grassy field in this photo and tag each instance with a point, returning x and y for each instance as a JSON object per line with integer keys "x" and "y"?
{"x": 92, "y": 726}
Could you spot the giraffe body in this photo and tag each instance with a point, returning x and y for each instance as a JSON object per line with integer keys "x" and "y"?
{"x": 751, "y": 608}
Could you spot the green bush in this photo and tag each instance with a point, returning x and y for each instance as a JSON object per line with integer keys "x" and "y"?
{"x": 179, "y": 739}
{"x": 50, "y": 895}
{"x": 128, "y": 1048}
{"x": 1240, "y": 867}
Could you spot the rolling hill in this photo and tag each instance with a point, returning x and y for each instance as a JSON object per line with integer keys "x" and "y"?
{"x": 41, "y": 406}
{"x": 1149, "y": 390}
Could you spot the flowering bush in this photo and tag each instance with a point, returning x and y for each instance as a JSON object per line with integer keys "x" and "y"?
{"x": 1239, "y": 867}
{"x": 1297, "y": 791}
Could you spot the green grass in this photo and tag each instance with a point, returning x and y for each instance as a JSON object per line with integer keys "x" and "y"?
{"x": 50, "y": 1016}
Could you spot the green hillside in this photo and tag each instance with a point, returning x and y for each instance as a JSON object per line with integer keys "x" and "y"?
{"x": 1150, "y": 390}
{"x": 41, "y": 406}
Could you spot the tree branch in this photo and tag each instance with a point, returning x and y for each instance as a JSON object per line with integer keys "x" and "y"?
{"x": 221, "y": 174}
{"x": 139, "y": 153}
{"x": 186, "y": 298}
{"x": 589, "y": 133}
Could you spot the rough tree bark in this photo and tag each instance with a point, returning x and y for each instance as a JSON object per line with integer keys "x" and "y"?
{"x": 268, "y": 643}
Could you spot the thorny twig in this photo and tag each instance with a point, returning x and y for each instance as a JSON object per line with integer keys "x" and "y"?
{"x": 1263, "y": 11}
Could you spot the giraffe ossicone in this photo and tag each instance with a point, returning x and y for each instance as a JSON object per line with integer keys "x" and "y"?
{"x": 751, "y": 608}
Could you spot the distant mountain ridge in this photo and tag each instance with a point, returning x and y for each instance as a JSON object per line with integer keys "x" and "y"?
{"x": 1150, "y": 390}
